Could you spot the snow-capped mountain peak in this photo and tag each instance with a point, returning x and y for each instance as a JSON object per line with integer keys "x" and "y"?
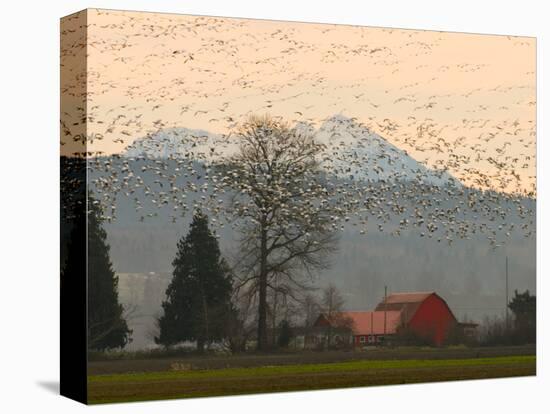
{"x": 351, "y": 151}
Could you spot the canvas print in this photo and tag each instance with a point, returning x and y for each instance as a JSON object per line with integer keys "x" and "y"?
{"x": 252, "y": 206}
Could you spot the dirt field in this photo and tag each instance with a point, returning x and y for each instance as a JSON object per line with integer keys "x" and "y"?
{"x": 183, "y": 380}
{"x": 120, "y": 366}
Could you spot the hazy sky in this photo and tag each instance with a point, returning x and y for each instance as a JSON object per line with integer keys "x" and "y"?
{"x": 440, "y": 96}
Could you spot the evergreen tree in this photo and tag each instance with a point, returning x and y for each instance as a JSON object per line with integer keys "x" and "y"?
{"x": 107, "y": 327}
{"x": 285, "y": 334}
{"x": 524, "y": 306}
{"x": 198, "y": 299}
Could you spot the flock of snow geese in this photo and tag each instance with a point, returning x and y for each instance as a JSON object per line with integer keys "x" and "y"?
{"x": 151, "y": 76}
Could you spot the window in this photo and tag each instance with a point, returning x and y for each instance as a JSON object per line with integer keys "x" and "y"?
{"x": 362, "y": 339}
{"x": 371, "y": 339}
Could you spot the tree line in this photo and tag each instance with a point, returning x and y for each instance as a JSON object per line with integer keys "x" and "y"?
{"x": 204, "y": 302}
{"x": 521, "y": 328}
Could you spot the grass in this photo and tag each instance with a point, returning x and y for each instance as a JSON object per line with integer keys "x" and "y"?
{"x": 231, "y": 381}
{"x": 156, "y": 362}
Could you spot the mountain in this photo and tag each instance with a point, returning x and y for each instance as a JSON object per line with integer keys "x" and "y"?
{"x": 357, "y": 153}
{"x": 351, "y": 151}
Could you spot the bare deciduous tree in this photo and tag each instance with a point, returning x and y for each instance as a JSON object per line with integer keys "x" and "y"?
{"x": 241, "y": 325}
{"x": 332, "y": 305}
{"x": 310, "y": 309}
{"x": 282, "y": 208}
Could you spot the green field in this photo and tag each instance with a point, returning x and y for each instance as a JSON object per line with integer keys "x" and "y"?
{"x": 231, "y": 381}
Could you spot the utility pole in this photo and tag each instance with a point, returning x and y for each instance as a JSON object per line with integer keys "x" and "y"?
{"x": 507, "y": 299}
{"x": 372, "y": 328}
{"x": 385, "y": 305}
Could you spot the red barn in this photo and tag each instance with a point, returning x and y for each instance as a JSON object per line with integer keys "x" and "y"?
{"x": 423, "y": 315}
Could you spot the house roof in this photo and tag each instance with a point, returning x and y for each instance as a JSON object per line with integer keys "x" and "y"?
{"x": 372, "y": 323}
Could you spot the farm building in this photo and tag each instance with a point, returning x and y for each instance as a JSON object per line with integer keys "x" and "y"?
{"x": 420, "y": 316}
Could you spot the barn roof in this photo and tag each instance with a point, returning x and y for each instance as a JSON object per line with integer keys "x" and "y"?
{"x": 408, "y": 303}
{"x": 405, "y": 303}
{"x": 372, "y": 323}
{"x": 408, "y": 297}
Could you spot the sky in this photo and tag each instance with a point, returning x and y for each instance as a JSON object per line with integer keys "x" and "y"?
{"x": 466, "y": 102}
